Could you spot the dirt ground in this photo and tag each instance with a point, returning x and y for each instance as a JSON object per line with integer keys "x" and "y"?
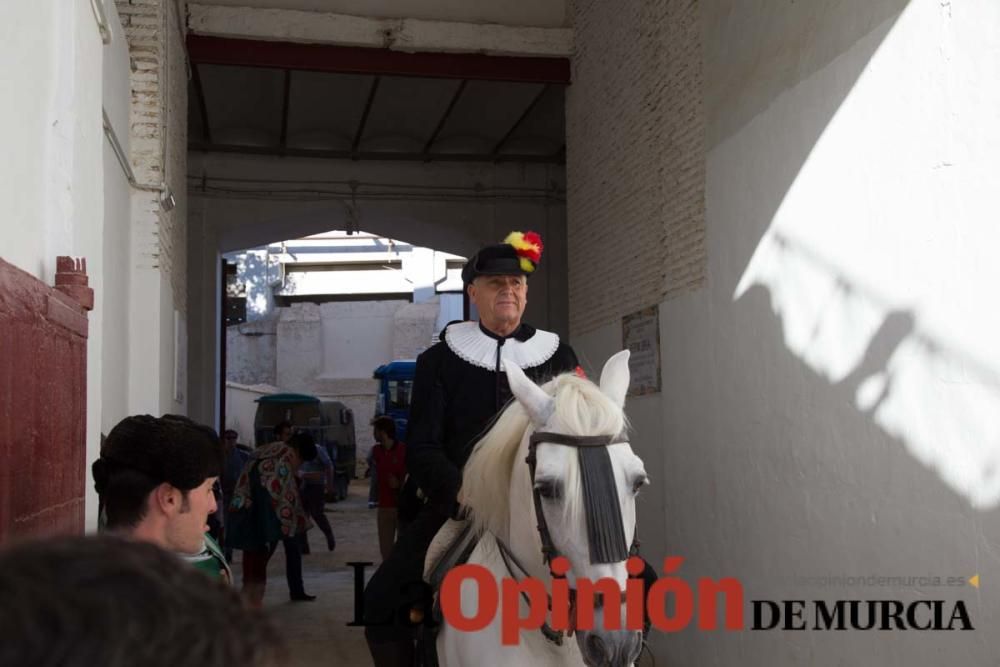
{"x": 317, "y": 631}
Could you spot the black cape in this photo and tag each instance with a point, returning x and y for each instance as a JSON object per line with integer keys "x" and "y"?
{"x": 454, "y": 401}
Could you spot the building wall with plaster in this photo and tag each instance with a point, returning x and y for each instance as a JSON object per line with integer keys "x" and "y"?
{"x": 635, "y": 160}
{"x": 69, "y": 195}
{"x": 65, "y": 190}
{"x": 155, "y": 31}
{"x": 329, "y": 349}
{"x": 830, "y": 381}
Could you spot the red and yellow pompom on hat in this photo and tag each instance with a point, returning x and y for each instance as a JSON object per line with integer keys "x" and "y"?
{"x": 519, "y": 254}
{"x": 528, "y": 246}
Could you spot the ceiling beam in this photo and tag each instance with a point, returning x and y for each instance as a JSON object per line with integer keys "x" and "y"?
{"x": 202, "y": 107}
{"x": 364, "y": 117}
{"x": 411, "y": 35}
{"x": 527, "y": 112}
{"x": 371, "y": 155}
{"x": 444, "y": 118}
{"x": 359, "y": 60}
{"x": 284, "y": 108}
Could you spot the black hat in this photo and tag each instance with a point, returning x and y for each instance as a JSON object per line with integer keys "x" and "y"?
{"x": 519, "y": 254}
{"x": 172, "y": 449}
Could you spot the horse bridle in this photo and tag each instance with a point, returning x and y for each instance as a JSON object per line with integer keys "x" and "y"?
{"x": 549, "y": 551}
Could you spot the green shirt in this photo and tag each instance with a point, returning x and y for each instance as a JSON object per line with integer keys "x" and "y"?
{"x": 211, "y": 561}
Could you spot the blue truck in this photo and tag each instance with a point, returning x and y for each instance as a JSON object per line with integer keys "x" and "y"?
{"x": 394, "y": 392}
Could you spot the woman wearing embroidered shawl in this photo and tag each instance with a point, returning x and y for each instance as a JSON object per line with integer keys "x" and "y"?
{"x": 266, "y": 509}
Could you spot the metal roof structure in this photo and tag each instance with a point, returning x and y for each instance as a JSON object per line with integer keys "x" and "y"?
{"x": 312, "y": 100}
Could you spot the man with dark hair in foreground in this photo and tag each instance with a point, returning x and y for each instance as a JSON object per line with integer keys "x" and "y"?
{"x": 154, "y": 478}
{"x": 108, "y": 601}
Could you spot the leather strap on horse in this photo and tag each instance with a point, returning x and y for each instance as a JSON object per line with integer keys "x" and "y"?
{"x": 554, "y": 636}
{"x": 574, "y": 440}
{"x": 549, "y": 551}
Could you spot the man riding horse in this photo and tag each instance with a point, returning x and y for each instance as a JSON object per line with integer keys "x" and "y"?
{"x": 458, "y": 389}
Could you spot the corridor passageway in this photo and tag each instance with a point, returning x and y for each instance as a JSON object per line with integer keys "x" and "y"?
{"x": 317, "y": 632}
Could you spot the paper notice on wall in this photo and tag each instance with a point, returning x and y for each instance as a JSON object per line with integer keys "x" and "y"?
{"x": 641, "y": 336}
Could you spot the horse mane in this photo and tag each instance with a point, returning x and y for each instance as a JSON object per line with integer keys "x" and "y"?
{"x": 580, "y": 409}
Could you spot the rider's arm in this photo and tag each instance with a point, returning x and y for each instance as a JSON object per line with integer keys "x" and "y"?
{"x": 426, "y": 460}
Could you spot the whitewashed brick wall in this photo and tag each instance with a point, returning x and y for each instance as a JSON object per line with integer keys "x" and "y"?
{"x": 158, "y": 126}
{"x": 635, "y": 157}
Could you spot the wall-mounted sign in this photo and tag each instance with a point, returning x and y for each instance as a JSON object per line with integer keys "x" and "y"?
{"x": 641, "y": 336}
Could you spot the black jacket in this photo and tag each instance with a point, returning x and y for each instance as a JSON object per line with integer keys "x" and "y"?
{"x": 453, "y": 403}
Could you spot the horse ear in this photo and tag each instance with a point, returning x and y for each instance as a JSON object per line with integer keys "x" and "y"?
{"x": 615, "y": 378}
{"x": 534, "y": 399}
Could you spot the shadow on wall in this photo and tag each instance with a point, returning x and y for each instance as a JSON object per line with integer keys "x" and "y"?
{"x": 813, "y": 477}
{"x": 939, "y": 401}
{"x": 818, "y": 423}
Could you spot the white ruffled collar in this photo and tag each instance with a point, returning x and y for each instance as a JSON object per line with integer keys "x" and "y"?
{"x": 469, "y": 342}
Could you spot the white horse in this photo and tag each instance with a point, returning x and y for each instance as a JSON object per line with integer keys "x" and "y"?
{"x": 498, "y": 487}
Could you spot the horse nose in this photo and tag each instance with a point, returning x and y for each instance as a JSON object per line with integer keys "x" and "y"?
{"x": 631, "y": 648}
{"x": 597, "y": 651}
{"x": 617, "y": 649}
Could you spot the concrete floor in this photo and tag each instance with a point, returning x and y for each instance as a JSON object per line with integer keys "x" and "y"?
{"x": 317, "y": 631}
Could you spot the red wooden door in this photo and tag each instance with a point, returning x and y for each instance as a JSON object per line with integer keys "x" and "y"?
{"x": 43, "y": 400}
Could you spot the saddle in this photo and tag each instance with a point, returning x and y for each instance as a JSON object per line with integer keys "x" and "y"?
{"x": 452, "y": 546}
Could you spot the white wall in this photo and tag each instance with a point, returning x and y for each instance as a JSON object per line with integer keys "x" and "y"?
{"x": 52, "y": 182}
{"x": 320, "y": 346}
{"x": 116, "y": 243}
{"x": 251, "y": 352}
{"x": 51, "y": 121}
{"x": 830, "y": 398}
{"x": 30, "y": 43}
{"x": 113, "y": 300}
{"x": 356, "y": 337}
{"x": 158, "y": 241}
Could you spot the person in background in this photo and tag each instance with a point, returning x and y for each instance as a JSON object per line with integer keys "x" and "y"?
{"x": 116, "y": 602}
{"x": 389, "y": 456}
{"x": 236, "y": 458}
{"x": 266, "y": 509}
{"x": 317, "y": 481}
{"x": 155, "y": 478}
{"x": 372, "y": 480}
{"x": 282, "y": 431}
